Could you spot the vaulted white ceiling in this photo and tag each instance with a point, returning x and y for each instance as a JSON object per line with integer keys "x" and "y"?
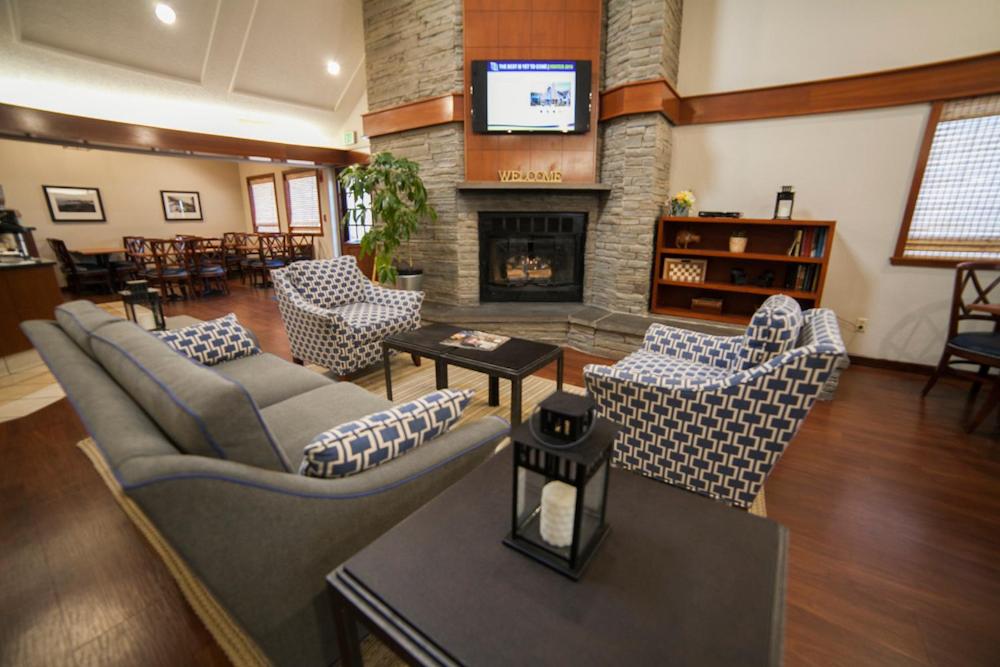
{"x": 254, "y": 68}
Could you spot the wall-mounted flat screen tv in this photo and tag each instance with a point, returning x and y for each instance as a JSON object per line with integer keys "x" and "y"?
{"x": 531, "y": 96}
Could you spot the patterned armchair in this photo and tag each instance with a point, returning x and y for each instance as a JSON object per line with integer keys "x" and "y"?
{"x": 337, "y": 318}
{"x": 713, "y": 414}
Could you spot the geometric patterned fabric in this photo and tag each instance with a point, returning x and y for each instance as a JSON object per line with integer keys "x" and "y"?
{"x": 211, "y": 342}
{"x": 335, "y": 317}
{"x": 382, "y": 436}
{"x": 773, "y": 329}
{"x": 692, "y": 422}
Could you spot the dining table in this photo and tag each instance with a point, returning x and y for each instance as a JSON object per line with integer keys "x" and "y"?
{"x": 101, "y": 254}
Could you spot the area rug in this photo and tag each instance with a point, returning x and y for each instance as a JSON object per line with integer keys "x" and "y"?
{"x": 409, "y": 382}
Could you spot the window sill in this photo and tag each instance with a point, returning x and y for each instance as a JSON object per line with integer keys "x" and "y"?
{"x": 929, "y": 262}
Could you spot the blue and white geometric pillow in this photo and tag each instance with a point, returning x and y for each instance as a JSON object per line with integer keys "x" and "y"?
{"x": 773, "y": 329}
{"x": 211, "y": 342}
{"x": 382, "y": 436}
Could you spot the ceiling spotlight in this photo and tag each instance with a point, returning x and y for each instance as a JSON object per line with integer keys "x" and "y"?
{"x": 166, "y": 13}
{"x": 332, "y": 67}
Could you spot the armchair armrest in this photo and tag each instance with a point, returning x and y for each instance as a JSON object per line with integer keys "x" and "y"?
{"x": 383, "y": 296}
{"x": 262, "y": 541}
{"x": 691, "y": 345}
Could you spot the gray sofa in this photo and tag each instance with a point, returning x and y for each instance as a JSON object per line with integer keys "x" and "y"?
{"x": 210, "y": 455}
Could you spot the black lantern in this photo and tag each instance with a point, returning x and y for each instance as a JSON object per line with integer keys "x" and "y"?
{"x": 139, "y": 293}
{"x": 561, "y": 459}
{"x": 783, "y": 203}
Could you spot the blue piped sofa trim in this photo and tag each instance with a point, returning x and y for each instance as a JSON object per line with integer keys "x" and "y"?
{"x": 318, "y": 496}
{"x": 198, "y": 420}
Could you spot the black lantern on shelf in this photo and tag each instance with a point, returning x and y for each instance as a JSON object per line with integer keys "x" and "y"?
{"x": 561, "y": 461}
{"x": 783, "y": 203}
{"x": 139, "y": 293}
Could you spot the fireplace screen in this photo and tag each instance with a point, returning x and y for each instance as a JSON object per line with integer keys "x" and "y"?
{"x": 531, "y": 256}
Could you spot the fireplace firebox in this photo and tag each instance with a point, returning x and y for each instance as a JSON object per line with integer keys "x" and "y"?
{"x": 531, "y": 256}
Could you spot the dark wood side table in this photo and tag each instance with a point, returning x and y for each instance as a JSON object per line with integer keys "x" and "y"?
{"x": 679, "y": 580}
{"x": 514, "y": 360}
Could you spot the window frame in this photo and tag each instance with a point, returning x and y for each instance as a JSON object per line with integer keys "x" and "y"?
{"x": 345, "y": 213}
{"x": 260, "y": 178}
{"x": 897, "y": 258}
{"x": 303, "y": 173}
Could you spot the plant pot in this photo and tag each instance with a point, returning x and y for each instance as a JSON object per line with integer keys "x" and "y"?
{"x": 410, "y": 279}
{"x": 737, "y": 244}
{"x": 679, "y": 210}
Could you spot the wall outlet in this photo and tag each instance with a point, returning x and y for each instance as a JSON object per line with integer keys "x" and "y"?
{"x": 861, "y": 324}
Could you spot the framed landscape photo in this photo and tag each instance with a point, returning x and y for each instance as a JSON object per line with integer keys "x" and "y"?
{"x": 180, "y": 205}
{"x": 74, "y": 204}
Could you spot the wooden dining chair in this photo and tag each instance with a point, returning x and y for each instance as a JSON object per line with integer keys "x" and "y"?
{"x": 79, "y": 274}
{"x": 979, "y": 347}
{"x": 300, "y": 247}
{"x": 137, "y": 252}
{"x": 171, "y": 267}
{"x": 207, "y": 264}
{"x": 251, "y": 253}
{"x": 271, "y": 254}
{"x": 234, "y": 251}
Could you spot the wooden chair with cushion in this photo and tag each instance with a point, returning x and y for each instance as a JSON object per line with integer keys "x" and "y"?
{"x": 234, "y": 251}
{"x": 271, "y": 254}
{"x": 970, "y": 302}
{"x": 207, "y": 264}
{"x": 80, "y": 274}
{"x": 300, "y": 247}
{"x": 171, "y": 267}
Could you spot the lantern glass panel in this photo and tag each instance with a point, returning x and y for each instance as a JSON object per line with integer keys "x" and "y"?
{"x": 592, "y": 517}
{"x": 529, "y": 496}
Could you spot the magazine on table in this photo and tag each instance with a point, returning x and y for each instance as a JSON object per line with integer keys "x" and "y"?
{"x": 475, "y": 340}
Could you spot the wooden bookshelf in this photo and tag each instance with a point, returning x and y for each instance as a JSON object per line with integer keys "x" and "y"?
{"x": 768, "y": 243}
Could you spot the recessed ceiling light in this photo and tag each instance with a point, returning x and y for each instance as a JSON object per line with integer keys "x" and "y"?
{"x": 332, "y": 67}
{"x": 166, "y": 13}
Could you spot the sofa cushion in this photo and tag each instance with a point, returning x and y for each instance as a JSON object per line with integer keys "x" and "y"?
{"x": 329, "y": 282}
{"x": 773, "y": 329}
{"x": 382, "y": 436}
{"x": 657, "y": 368}
{"x": 211, "y": 342}
{"x": 81, "y": 318}
{"x": 270, "y": 379}
{"x": 203, "y": 412}
{"x": 297, "y": 420}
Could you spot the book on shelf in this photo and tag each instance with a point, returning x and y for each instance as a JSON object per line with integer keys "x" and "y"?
{"x": 802, "y": 277}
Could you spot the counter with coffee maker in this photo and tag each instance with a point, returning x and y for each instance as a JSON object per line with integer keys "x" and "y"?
{"x": 28, "y": 286}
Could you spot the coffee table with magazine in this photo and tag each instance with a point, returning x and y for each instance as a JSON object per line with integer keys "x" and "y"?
{"x": 514, "y": 360}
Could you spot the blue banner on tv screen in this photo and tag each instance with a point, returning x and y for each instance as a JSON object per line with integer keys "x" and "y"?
{"x": 506, "y": 66}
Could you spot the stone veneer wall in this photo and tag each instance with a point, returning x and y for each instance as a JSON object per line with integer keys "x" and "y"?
{"x": 642, "y": 40}
{"x": 413, "y": 50}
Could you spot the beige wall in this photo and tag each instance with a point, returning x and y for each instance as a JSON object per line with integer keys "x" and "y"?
{"x": 324, "y": 243}
{"x": 732, "y": 44}
{"x": 853, "y": 167}
{"x": 130, "y": 187}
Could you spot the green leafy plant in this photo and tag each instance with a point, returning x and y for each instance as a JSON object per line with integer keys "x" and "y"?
{"x": 391, "y": 188}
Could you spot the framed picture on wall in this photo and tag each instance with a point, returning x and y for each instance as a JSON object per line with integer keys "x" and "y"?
{"x": 74, "y": 204}
{"x": 181, "y": 205}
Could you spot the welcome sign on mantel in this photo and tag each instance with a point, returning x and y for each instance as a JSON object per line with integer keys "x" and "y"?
{"x": 518, "y": 176}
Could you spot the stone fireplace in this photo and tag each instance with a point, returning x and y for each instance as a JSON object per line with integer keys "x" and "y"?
{"x": 531, "y": 256}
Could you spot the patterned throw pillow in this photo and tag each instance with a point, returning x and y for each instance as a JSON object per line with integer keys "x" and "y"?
{"x": 773, "y": 329}
{"x": 212, "y": 342}
{"x": 382, "y": 436}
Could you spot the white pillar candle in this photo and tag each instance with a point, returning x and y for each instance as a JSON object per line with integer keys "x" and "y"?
{"x": 558, "y": 508}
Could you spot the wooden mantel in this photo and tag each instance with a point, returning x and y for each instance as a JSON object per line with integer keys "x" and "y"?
{"x": 466, "y": 186}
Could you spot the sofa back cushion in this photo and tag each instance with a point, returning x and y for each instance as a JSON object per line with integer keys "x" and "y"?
{"x": 329, "y": 283}
{"x": 201, "y": 411}
{"x": 773, "y": 329}
{"x": 364, "y": 443}
{"x": 211, "y": 342}
{"x": 81, "y": 318}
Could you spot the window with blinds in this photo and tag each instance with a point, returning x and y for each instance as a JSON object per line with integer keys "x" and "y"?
{"x": 263, "y": 204}
{"x": 954, "y": 211}
{"x": 302, "y": 198}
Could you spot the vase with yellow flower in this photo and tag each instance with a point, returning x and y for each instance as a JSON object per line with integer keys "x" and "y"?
{"x": 681, "y": 203}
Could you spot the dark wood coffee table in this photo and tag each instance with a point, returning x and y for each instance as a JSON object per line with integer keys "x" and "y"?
{"x": 679, "y": 580}
{"x": 514, "y": 360}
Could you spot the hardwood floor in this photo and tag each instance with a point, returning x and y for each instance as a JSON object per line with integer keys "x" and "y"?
{"x": 894, "y": 515}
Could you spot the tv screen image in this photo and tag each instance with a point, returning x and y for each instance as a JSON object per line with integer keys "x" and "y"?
{"x": 531, "y": 96}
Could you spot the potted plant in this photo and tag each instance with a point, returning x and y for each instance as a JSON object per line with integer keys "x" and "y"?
{"x": 391, "y": 188}
{"x": 738, "y": 241}
{"x": 681, "y": 203}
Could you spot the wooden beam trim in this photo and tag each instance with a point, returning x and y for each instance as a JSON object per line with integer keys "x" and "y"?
{"x": 428, "y": 112}
{"x": 26, "y": 123}
{"x": 964, "y": 77}
{"x": 651, "y": 96}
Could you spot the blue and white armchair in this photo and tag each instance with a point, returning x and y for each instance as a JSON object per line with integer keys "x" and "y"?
{"x": 337, "y": 318}
{"x": 713, "y": 414}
